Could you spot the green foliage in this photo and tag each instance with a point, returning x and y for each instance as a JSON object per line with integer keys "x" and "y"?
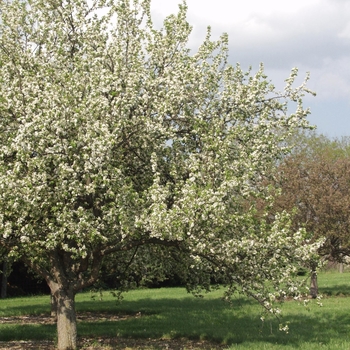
{"x": 313, "y": 144}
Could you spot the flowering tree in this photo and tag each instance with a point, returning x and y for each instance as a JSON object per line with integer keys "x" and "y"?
{"x": 114, "y": 136}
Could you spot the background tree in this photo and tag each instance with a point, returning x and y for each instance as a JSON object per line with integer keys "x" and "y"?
{"x": 113, "y": 136}
{"x": 315, "y": 180}
{"x": 4, "y": 271}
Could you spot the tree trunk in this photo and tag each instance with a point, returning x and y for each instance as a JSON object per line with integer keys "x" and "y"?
{"x": 53, "y": 302}
{"x": 313, "y": 284}
{"x": 341, "y": 267}
{"x": 66, "y": 320}
{"x": 4, "y": 280}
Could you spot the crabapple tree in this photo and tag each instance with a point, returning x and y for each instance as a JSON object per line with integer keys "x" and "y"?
{"x": 115, "y": 136}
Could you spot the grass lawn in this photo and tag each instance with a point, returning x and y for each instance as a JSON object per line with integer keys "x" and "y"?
{"x": 171, "y": 313}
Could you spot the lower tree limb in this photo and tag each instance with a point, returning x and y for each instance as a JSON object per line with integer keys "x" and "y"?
{"x": 53, "y": 302}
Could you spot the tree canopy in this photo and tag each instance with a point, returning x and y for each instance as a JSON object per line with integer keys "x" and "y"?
{"x": 315, "y": 180}
{"x": 114, "y": 136}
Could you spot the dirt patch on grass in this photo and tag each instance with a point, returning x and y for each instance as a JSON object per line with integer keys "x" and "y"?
{"x": 116, "y": 343}
{"x": 100, "y": 343}
{"x": 84, "y": 317}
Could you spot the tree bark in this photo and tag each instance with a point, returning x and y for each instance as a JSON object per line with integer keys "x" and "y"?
{"x": 4, "y": 280}
{"x": 66, "y": 320}
{"x": 53, "y": 302}
{"x": 341, "y": 267}
{"x": 313, "y": 284}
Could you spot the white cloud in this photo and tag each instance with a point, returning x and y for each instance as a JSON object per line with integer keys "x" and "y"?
{"x": 332, "y": 79}
{"x": 313, "y": 35}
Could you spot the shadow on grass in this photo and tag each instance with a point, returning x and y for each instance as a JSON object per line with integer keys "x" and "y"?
{"x": 203, "y": 319}
{"x": 214, "y": 320}
{"x": 9, "y": 332}
{"x": 335, "y": 290}
{"x": 25, "y": 306}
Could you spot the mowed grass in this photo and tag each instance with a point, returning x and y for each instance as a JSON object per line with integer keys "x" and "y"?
{"x": 169, "y": 313}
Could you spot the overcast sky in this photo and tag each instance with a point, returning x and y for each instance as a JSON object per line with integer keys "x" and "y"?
{"x": 313, "y": 35}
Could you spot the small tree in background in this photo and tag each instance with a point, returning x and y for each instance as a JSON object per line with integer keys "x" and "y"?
{"x": 114, "y": 136}
{"x": 315, "y": 180}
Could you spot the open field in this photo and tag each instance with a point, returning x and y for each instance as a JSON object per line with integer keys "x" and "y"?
{"x": 169, "y": 318}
